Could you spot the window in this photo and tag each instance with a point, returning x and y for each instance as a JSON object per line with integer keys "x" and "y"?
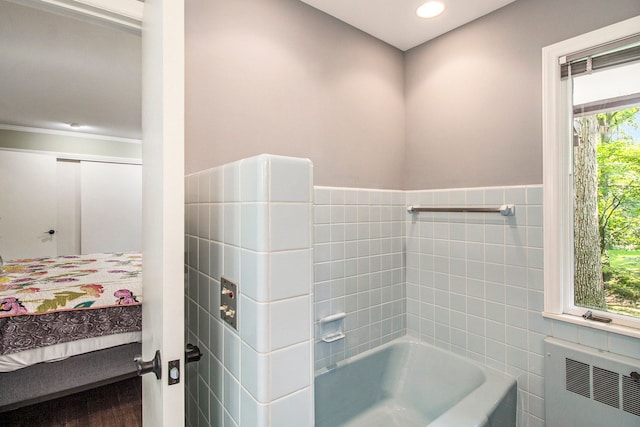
{"x": 591, "y": 100}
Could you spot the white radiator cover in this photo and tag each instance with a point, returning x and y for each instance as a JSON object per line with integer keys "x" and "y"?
{"x": 585, "y": 387}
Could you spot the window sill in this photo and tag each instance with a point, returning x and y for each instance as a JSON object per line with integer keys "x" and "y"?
{"x": 608, "y": 327}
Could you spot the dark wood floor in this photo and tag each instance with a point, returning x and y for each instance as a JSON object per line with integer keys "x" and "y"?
{"x": 114, "y": 405}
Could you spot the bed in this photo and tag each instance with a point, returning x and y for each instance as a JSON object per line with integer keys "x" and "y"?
{"x": 67, "y": 324}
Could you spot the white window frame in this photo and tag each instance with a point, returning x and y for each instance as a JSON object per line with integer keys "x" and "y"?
{"x": 558, "y": 194}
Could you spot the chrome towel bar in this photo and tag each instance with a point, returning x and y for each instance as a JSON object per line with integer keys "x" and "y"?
{"x": 504, "y": 210}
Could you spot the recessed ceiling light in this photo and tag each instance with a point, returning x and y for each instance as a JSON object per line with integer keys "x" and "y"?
{"x": 430, "y": 9}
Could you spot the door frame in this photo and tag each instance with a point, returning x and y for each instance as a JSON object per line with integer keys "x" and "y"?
{"x": 162, "y": 25}
{"x": 163, "y": 207}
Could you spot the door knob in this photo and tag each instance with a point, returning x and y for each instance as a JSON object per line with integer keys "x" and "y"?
{"x": 154, "y": 365}
{"x": 52, "y": 232}
{"x": 192, "y": 354}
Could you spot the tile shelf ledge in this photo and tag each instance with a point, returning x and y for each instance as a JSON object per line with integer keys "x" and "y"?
{"x": 607, "y": 327}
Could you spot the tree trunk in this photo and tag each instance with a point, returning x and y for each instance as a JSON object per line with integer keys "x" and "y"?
{"x": 588, "y": 285}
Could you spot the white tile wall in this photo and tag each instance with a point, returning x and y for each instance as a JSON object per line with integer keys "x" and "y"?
{"x": 359, "y": 265}
{"x": 474, "y": 283}
{"x": 470, "y": 283}
{"x": 250, "y": 222}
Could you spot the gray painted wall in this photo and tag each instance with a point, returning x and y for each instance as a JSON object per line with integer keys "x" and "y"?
{"x": 474, "y": 95}
{"x": 280, "y": 77}
{"x": 463, "y": 110}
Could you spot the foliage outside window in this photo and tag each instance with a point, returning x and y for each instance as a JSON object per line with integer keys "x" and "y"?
{"x": 606, "y": 162}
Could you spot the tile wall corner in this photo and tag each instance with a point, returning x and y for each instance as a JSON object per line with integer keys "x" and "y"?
{"x": 239, "y": 220}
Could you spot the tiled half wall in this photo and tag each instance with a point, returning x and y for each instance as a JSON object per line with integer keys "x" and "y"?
{"x": 471, "y": 283}
{"x": 250, "y": 221}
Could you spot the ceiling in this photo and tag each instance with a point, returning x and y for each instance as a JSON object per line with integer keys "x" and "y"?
{"x": 59, "y": 69}
{"x": 396, "y": 22}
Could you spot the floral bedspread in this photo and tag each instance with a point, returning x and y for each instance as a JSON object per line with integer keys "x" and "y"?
{"x": 75, "y": 282}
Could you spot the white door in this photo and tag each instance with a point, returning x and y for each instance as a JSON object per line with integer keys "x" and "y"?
{"x": 111, "y": 207}
{"x": 27, "y": 205}
{"x": 68, "y": 196}
{"x": 163, "y": 206}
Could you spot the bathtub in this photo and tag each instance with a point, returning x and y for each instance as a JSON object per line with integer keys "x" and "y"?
{"x": 407, "y": 383}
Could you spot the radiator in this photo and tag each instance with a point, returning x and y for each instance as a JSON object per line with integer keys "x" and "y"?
{"x": 589, "y": 387}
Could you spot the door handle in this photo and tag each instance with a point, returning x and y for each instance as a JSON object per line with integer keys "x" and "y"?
{"x": 51, "y": 232}
{"x": 154, "y": 365}
{"x": 192, "y": 354}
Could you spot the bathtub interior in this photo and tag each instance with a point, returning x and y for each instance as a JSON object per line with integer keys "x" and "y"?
{"x": 434, "y": 381}
{"x": 399, "y": 384}
{"x": 350, "y": 389}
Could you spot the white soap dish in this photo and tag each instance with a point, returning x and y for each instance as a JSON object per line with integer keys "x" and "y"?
{"x": 332, "y": 327}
